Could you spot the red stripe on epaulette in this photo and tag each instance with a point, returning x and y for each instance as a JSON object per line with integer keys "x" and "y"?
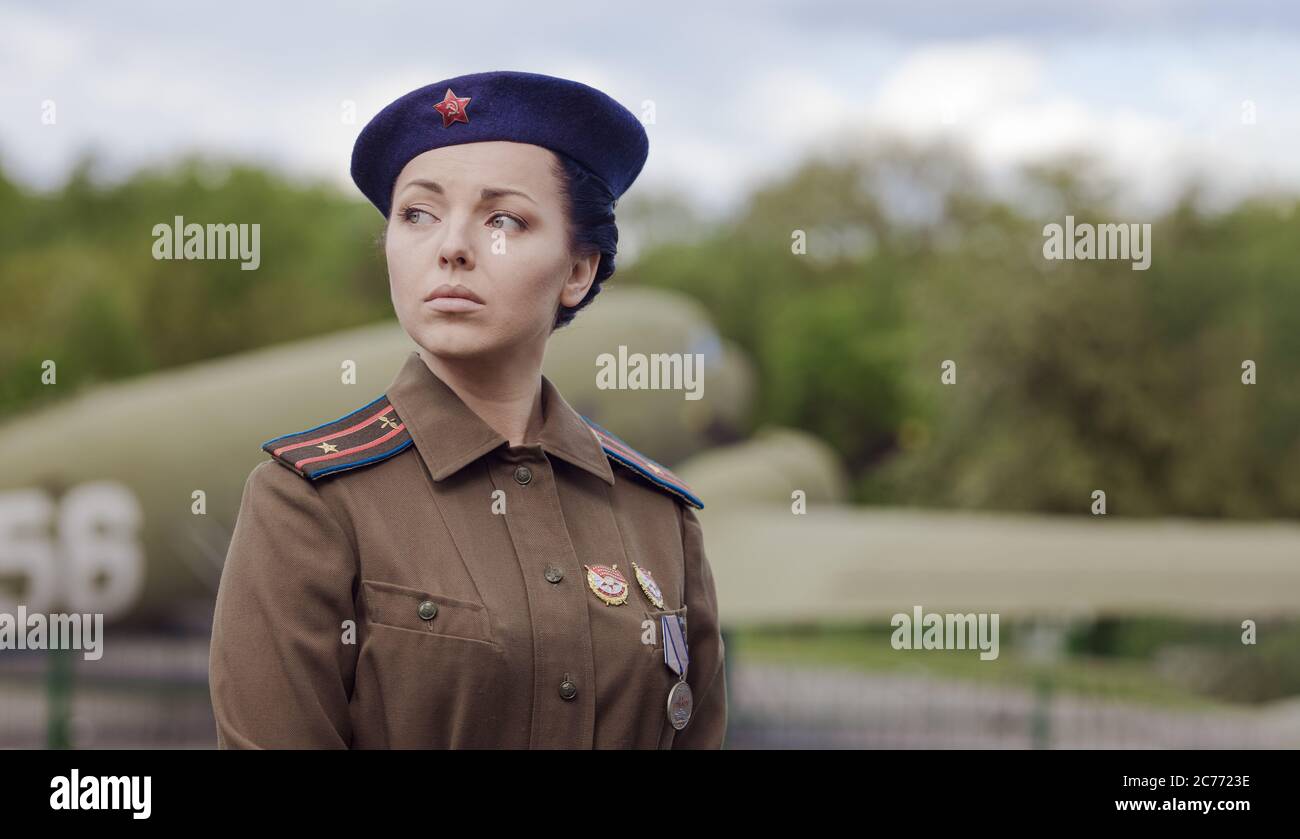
{"x": 344, "y": 443}
{"x": 345, "y": 452}
{"x": 655, "y": 472}
{"x": 317, "y": 440}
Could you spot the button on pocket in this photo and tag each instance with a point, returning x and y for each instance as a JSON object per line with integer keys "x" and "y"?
{"x": 426, "y": 612}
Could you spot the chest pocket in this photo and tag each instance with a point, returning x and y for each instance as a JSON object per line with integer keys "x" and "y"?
{"x": 420, "y": 611}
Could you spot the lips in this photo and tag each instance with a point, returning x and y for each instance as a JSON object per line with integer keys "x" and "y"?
{"x": 453, "y": 299}
{"x": 447, "y": 290}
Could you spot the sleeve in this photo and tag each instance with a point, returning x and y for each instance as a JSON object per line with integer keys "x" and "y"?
{"x": 280, "y": 667}
{"x": 706, "y": 672}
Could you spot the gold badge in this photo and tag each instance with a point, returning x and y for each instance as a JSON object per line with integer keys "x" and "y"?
{"x": 608, "y": 584}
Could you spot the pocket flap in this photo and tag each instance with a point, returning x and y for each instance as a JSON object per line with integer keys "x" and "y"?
{"x": 423, "y": 611}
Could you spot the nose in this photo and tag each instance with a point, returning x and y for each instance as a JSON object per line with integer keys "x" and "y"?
{"x": 456, "y": 250}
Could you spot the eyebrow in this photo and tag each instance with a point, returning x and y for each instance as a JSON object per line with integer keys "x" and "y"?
{"x": 486, "y": 194}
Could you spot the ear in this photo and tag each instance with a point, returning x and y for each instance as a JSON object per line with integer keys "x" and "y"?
{"x": 579, "y": 280}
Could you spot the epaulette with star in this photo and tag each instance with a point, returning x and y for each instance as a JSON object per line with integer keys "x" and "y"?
{"x": 656, "y": 473}
{"x": 368, "y": 435}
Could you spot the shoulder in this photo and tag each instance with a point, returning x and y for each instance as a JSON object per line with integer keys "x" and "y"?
{"x": 367, "y": 435}
{"x": 644, "y": 467}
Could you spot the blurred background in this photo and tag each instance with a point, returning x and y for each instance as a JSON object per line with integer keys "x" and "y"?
{"x": 916, "y": 149}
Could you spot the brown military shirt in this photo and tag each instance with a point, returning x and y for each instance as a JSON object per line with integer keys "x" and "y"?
{"x": 401, "y": 601}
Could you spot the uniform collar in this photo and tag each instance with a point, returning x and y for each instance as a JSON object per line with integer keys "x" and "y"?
{"x": 449, "y": 435}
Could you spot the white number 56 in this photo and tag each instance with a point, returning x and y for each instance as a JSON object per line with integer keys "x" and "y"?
{"x": 82, "y": 554}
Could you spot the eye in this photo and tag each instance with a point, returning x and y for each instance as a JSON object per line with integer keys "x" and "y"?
{"x": 412, "y": 215}
{"x": 506, "y": 217}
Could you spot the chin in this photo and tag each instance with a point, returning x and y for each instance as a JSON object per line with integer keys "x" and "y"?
{"x": 454, "y": 340}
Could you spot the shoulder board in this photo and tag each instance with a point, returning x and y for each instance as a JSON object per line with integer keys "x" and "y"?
{"x": 657, "y": 474}
{"x": 368, "y": 435}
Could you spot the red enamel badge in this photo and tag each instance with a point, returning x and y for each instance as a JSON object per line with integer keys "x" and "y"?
{"x": 452, "y": 108}
{"x": 608, "y": 584}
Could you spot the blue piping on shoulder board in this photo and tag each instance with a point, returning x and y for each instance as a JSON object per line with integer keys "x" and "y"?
{"x": 348, "y": 415}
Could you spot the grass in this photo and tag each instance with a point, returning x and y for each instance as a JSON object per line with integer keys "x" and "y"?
{"x": 867, "y": 649}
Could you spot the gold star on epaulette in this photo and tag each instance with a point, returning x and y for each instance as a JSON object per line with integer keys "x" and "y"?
{"x": 369, "y": 435}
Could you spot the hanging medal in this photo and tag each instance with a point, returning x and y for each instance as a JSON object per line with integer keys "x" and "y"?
{"x": 608, "y": 584}
{"x": 678, "y": 658}
{"x": 649, "y": 586}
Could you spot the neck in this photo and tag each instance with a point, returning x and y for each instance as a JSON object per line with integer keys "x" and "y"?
{"x": 507, "y": 395}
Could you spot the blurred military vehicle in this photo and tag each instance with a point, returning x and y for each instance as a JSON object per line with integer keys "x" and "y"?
{"x": 121, "y": 499}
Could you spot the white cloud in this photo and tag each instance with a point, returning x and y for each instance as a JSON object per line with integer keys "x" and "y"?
{"x": 941, "y": 89}
{"x": 1154, "y": 109}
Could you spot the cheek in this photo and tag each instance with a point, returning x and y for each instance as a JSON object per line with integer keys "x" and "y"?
{"x": 534, "y": 288}
{"x": 403, "y": 269}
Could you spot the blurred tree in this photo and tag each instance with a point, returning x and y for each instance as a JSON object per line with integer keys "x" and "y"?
{"x": 1072, "y": 376}
{"x": 81, "y": 286}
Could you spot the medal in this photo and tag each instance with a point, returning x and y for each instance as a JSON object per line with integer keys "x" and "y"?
{"x": 608, "y": 584}
{"x": 649, "y": 586}
{"x": 678, "y": 659}
{"x": 679, "y": 705}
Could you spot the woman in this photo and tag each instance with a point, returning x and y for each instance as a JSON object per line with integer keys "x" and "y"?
{"x": 465, "y": 561}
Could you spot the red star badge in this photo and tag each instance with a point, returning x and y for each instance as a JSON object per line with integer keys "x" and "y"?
{"x": 452, "y": 108}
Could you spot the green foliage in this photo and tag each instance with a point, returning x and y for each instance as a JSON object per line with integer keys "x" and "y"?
{"x": 80, "y": 284}
{"x": 1071, "y": 376}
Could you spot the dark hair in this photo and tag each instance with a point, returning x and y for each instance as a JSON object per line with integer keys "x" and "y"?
{"x": 589, "y": 207}
{"x": 589, "y": 204}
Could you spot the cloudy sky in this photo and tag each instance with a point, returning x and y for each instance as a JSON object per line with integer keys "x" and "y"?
{"x": 1160, "y": 91}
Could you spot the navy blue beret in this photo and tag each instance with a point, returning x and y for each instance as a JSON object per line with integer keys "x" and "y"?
{"x": 562, "y": 115}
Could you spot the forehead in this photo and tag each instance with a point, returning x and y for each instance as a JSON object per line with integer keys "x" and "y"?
{"x": 471, "y": 166}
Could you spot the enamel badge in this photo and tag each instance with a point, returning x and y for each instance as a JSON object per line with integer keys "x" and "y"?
{"x": 649, "y": 586}
{"x": 452, "y": 108}
{"x": 608, "y": 584}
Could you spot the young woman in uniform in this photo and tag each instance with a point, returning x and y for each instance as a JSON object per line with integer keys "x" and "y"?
{"x": 465, "y": 561}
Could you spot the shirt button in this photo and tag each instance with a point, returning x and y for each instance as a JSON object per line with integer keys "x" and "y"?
{"x": 523, "y": 475}
{"x": 568, "y": 689}
{"x": 553, "y": 574}
{"x": 428, "y": 609}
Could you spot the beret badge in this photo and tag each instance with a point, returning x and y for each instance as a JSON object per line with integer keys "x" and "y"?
{"x": 562, "y": 115}
{"x": 453, "y": 108}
